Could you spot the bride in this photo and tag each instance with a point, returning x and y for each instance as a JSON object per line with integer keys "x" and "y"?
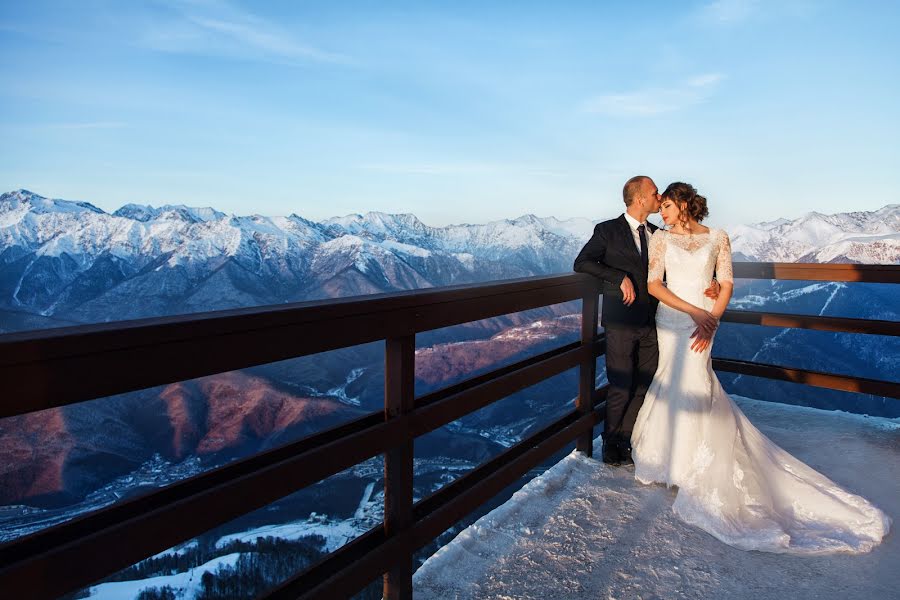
{"x": 733, "y": 482}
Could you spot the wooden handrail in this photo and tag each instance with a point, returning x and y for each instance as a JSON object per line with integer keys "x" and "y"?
{"x": 56, "y": 367}
{"x": 788, "y": 321}
{"x": 342, "y": 573}
{"x": 126, "y": 532}
{"x": 832, "y": 381}
{"x": 437, "y": 413}
{"x": 818, "y": 272}
{"x": 50, "y": 368}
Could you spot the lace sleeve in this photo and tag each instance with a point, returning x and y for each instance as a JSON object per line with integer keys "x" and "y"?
{"x": 657, "y": 266}
{"x": 724, "y": 271}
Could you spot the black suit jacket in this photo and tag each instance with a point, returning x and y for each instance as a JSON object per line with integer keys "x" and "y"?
{"x": 611, "y": 255}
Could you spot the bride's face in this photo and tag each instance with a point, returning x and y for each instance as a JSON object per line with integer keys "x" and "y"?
{"x": 669, "y": 211}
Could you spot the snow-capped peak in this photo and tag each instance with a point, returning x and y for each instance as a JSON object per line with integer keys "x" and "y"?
{"x": 402, "y": 227}
{"x": 860, "y": 236}
{"x": 144, "y": 213}
{"x": 39, "y": 204}
{"x": 66, "y": 256}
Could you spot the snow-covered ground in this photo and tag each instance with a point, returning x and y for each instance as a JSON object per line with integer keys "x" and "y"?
{"x": 336, "y": 533}
{"x": 587, "y": 530}
{"x": 188, "y": 582}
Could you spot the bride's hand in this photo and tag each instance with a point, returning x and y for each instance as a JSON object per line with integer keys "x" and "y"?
{"x": 706, "y": 322}
{"x": 701, "y": 341}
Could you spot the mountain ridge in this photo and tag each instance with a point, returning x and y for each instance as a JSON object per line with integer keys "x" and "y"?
{"x": 75, "y": 262}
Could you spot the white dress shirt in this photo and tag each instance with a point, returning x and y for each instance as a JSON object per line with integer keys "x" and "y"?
{"x": 634, "y": 223}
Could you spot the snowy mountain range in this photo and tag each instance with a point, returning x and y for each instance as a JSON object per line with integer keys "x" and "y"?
{"x": 65, "y": 262}
{"x": 72, "y": 262}
{"x": 854, "y": 237}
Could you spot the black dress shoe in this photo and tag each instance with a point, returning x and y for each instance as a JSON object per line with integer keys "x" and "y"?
{"x": 625, "y": 453}
{"x": 612, "y": 455}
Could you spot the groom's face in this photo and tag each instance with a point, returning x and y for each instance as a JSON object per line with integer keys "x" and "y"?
{"x": 651, "y": 197}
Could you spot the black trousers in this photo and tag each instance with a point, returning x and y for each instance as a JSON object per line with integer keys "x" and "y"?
{"x": 631, "y": 358}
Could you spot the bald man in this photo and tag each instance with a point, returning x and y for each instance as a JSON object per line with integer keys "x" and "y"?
{"x": 617, "y": 254}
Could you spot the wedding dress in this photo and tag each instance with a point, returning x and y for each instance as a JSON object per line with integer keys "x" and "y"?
{"x": 733, "y": 482}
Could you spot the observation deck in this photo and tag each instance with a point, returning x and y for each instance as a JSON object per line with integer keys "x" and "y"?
{"x": 587, "y": 530}
{"x": 594, "y": 556}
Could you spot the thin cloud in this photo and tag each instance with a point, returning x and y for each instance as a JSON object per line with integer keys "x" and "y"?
{"x": 431, "y": 168}
{"x": 655, "y": 101}
{"x": 217, "y": 28}
{"x": 704, "y": 81}
{"x": 87, "y": 125}
{"x": 462, "y": 169}
{"x": 728, "y": 12}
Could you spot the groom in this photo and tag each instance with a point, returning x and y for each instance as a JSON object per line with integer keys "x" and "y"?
{"x": 617, "y": 253}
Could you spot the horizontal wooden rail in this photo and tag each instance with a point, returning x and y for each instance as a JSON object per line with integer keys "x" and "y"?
{"x": 129, "y": 509}
{"x": 841, "y": 324}
{"x": 52, "y": 368}
{"x": 818, "y": 272}
{"x": 438, "y": 413}
{"x": 366, "y": 553}
{"x": 445, "y": 495}
{"x": 345, "y": 571}
{"x": 134, "y": 529}
{"x": 846, "y": 383}
{"x": 121, "y": 535}
{"x": 443, "y": 517}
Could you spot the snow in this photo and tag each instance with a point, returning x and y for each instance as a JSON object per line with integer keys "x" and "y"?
{"x": 578, "y": 228}
{"x": 340, "y": 392}
{"x": 860, "y": 237}
{"x": 541, "y": 330}
{"x": 336, "y": 533}
{"x": 381, "y": 225}
{"x": 178, "y": 550}
{"x": 466, "y": 260}
{"x": 871, "y": 249}
{"x": 188, "y": 581}
{"x": 587, "y": 530}
{"x": 364, "y": 501}
{"x": 346, "y": 243}
{"x": 13, "y": 213}
{"x": 405, "y": 249}
{"x": 194, "y": 235}
{"x": 201, "y": 240}
{"x": 142, "y": 212}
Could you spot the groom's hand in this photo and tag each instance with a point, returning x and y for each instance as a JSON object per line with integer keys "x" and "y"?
{"x": 713, "y": 290}
{"x": 705, "y": 321}
{"x": 628, "y": 294}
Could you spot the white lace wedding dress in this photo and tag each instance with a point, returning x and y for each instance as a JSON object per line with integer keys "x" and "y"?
{"x": 732, "y": 481}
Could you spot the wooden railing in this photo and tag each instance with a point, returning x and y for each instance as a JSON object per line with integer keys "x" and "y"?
{"x": 52, "y": 368}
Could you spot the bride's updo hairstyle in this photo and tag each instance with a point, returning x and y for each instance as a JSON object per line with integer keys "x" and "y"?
{"x": 688, "y": 200}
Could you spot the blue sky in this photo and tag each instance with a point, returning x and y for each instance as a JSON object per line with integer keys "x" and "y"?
{"x": 457, "y": 112}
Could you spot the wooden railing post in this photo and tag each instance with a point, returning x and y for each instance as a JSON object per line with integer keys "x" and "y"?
{"x": 399, "y": 399}
{"x": 587, "y": 368}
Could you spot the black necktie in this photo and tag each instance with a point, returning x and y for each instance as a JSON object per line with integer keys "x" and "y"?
{"x": 645, "y": 257}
